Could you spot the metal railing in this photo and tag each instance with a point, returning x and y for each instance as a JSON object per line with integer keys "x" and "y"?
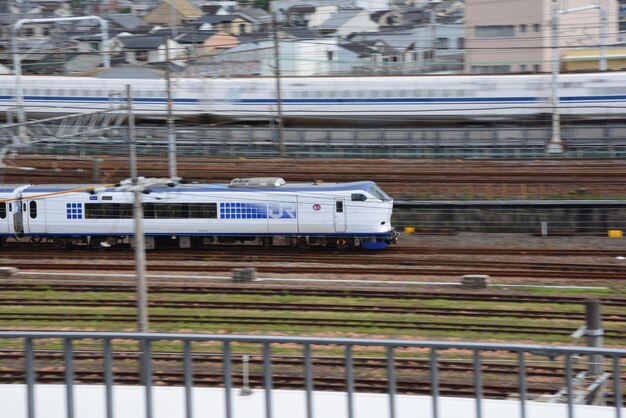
{"x": 415, "y": 142}
{"x": 226, "y": 345}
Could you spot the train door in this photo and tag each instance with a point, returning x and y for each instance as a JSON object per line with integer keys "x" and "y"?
{"x": 34, "y": 215}
{"x": 18, "y": 220}
{"x": 340, "y": 214}
{"x": 5, "y": 219}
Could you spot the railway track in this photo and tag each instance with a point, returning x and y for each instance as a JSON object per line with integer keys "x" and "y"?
{"x": 435, "y": 179}
{"x": 405, "y": 270}
{"x": 321, "y": 322}
{"x": 302, "y": 307}
{"x": 71, "y": 285}
{"x": 22, "y": 251}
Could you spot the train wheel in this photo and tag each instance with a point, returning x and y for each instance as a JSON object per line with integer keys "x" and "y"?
{"x": 303, "y": 243}
{"x": 341, "y": 243}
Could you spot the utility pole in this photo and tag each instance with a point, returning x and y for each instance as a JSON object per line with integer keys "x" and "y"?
{"x": 555, "y": 145}
{"x": 140, "y": 250}
{"x": 433, "y": 37}
{"x": 173, "y": 19}
{"x": 279, "y": 111}
{"x": 171, "y": 135}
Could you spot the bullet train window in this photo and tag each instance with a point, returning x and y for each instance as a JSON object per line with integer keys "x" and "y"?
{"x": 378, "y": 194}
{"x": 108, "y": 211}
{"x": 360, "y": 93}
{"x": 389, "y": 93}
{"x": 33, "y": 210}
{"x": 3, "y": 210}
{"x": 374, "y": 93}
{"x": 358, "y": 197}
{"x": 339, "y": 206}
{"x": 305, "y": 94}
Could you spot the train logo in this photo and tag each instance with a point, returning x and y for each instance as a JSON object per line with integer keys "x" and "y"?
{"x": 317, "y": 207}
{"x": 281, "y": 210}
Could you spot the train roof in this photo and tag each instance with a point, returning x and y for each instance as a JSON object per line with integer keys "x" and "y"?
{"x": 202, "y": 187}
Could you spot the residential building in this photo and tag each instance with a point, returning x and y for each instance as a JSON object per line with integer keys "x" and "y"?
{"x": 232, "y": 24}
{"x": 168, "y": 12}
{"x": 298, "y": 57}
{"x": 504, "y": 37}
{"x": 346, "y": 21}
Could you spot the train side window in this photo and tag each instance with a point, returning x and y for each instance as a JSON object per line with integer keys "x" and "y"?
{"x": 339, "y": 206}
{"x": 33, "y": 209}
{"x": 10, "y": 207}
{"x": 108, "y": 211}
{"x": 358, "y": 197}
{"x": 3, "y": 210}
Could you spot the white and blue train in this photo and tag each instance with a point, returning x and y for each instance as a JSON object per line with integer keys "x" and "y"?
{"x": 266, "y": 211}
{"x": 373, "y": 99}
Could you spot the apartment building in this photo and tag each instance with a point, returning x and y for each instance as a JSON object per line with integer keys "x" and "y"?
{"x": 505, "y": 36}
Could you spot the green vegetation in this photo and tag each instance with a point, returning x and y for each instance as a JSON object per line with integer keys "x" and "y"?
{"x": 364, "y": 322}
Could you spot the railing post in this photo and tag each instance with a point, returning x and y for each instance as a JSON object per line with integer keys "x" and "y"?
{"x": 521, "y": 366}
{"x": 478, "y": 384}
{"x": 308, "y": 378}
{"x": 434, "y": 382}
{"x": 349, "y": 381}
{"x": 391, "y": 381}
{"x": 188, "y": 372}
{"x": 29, "y": 365}
{"x": 267, "y": 378}
{"x": 228, "y": 383}
{"x": 108, "y": 378}
{"x": 68, "y": 360}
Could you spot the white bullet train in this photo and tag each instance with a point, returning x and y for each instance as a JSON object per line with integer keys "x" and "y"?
{"x": 266, "y": 211}
{"x": 373, "y": 99}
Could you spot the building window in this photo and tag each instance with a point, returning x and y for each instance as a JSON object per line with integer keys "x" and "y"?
{"x": 536, "y": 68}
{"x": 523, "y": 68}
{"x": 441, "y": 43}
{"x": 242, "y": 28}
{"x": 142, "y": 55}
{"x": 522, "y": 28}
{"x": 501, "y": 31}
{"x": 460, "y": 43}
{"x": 536, "y": 27}
{"x": 491, "y": 69}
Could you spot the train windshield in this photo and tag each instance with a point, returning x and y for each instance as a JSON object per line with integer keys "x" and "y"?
{"x": 378, "y": 193}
